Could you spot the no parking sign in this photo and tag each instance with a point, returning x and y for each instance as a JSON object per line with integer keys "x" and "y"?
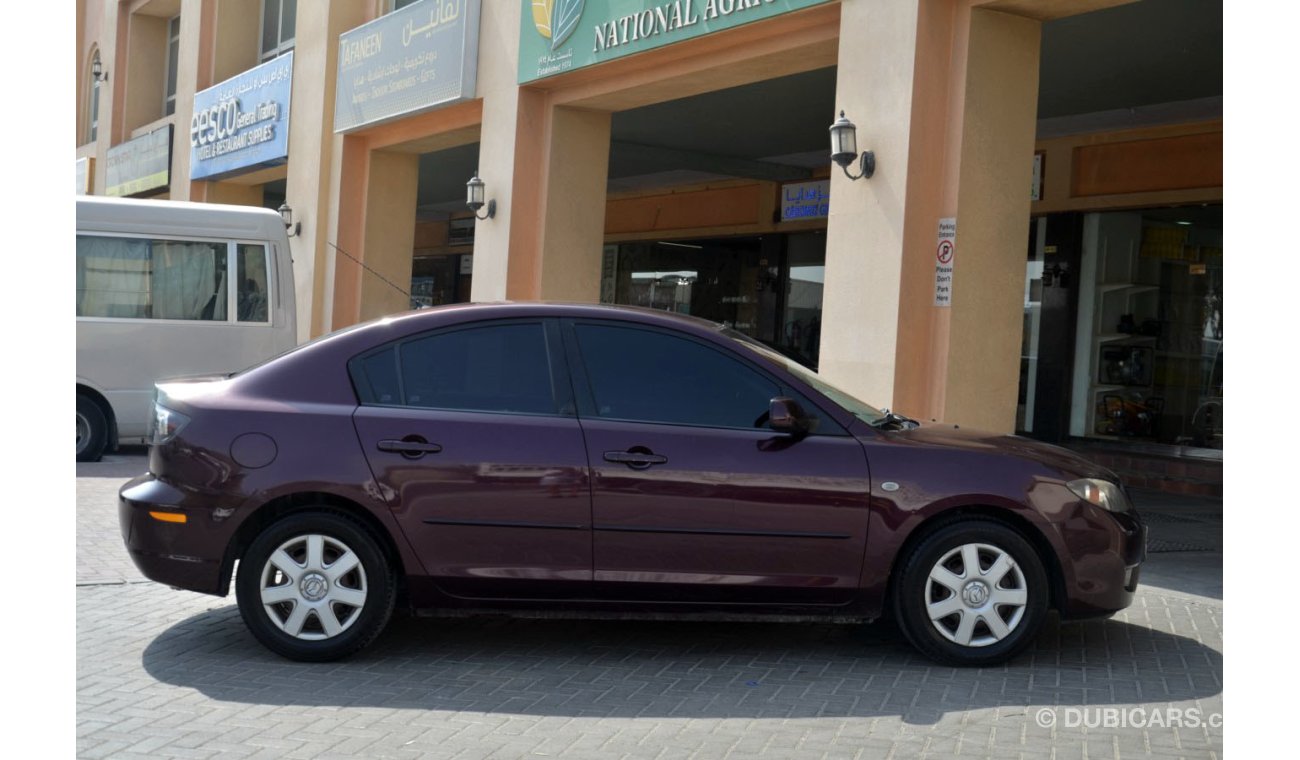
{"x": 944, "y": 253}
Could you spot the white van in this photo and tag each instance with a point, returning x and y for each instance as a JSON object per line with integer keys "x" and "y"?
{"x": 165, "y": 289}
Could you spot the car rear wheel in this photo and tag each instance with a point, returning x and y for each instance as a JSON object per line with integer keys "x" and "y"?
{"x": 972, "y": 593}
{"x": 315, "y": 586}
{"x": 92, "y": 430}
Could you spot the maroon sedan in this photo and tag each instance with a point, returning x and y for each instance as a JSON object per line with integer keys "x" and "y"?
{"x": 593, "y": 458}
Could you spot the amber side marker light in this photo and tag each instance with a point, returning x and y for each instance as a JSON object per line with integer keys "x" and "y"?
{"x": 171, "y": 517}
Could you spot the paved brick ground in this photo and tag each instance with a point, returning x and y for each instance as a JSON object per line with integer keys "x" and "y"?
{"x": 163, "y": 673}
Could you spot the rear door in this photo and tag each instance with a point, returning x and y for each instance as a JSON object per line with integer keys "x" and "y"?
{"x": 694, "y": 498}
{"x": 471, "y": 435}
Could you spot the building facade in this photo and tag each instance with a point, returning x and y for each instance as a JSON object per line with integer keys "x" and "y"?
{"x": 1038, "y": 248}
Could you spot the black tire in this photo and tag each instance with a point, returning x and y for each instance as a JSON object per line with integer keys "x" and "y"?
{"x": 360, "y": 624}
{"x": 92, "y": 429}
{"x": 914, "y": 592}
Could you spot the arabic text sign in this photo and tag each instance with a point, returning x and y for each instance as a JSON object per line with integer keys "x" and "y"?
{"x": 561, "y": 35}
{"x": 242, "y": 123}
{"x": 805, "y": 200}
{"x": 415, "y": 59}
{"x": 139, "y": 165}
{"x": 944, "y": 254}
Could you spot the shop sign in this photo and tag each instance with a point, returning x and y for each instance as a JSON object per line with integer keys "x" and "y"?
{"x": 406, "y": 62}
{"x": 85, "y": 174}
{"x": 944, "y": 253}
{"x": 805, "y": 200}
{"x": 140, "y": 165}
{"x": 243, "y": 123}
{"x": 562, "y": 35}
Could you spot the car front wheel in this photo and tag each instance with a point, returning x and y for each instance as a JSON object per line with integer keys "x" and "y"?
{"x": 972, "y": 593}
{"x": 315, "y": 587}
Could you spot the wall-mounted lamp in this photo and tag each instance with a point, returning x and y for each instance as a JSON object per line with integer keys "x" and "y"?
{"x": 476, "y": 190}
{"x": 291, "y": 227}
{"x": 97, "y": 70}
{"x": 844, "y": 149}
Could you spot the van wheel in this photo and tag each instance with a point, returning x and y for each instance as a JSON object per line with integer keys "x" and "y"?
{"x": 92, "y": 429}
{"x": 314, "y": 587}
{"x": 973, "y": 593}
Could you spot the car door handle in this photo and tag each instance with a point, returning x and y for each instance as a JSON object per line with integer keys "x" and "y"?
{"x": 637, "y": 460}
{"x": 412, "y": 449}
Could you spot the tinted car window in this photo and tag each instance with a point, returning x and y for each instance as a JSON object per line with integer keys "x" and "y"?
{"x": 376, "y": 377}
{"x": 501, "y": 368}
{"x": 654, "y": 377}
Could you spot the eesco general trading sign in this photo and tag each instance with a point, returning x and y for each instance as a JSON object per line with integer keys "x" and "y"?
{"x": 243, "y": 123}
{"x": 563, "y": 35}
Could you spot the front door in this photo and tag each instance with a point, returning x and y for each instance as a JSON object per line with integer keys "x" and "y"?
{"x": 693, "y": 497}
{"x": 471, "y": 437}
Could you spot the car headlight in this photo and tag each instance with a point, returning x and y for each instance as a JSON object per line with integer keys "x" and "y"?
{"x": 1103, "y": 493}
{"x": 166, "y": 425}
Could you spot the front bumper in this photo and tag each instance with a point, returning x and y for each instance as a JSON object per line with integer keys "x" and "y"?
{"x": 1106, "y": 552}
{"x": 184, "y": 555}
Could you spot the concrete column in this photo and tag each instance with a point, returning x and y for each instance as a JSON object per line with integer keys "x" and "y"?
{"x": 946, "y": 96}
{"x": 865, "y": 231}
{"x": 572, "y": 234}
{"x": 558, "y": 229}
{"x": 311, "y": 154}
{"x": 389, "y": 234}
{"x": 191, "y": 66}
{"x": 986, "y": 320}
{"x": 498, "y": 71}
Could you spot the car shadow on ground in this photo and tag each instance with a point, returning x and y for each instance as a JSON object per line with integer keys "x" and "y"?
{"x": 579, "y": 668}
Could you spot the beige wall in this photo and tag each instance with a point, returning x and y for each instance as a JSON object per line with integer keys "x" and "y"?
{"x": 146, "y": 64}
{"x": 238, "y": 23}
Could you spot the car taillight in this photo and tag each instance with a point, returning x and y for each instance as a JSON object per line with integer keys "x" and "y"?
{"x": 166, "y": 424}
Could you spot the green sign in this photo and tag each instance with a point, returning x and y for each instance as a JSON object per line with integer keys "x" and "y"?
{"x": 557, "y": 36}
{"x": 140, "y": 165}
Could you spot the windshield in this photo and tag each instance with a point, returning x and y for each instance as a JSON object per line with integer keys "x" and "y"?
{"x": 863, "y": 411}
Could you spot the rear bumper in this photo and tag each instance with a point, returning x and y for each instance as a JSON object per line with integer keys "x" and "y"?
{"x": 184, "y": 555}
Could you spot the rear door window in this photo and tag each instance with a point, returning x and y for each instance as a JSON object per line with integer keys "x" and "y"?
{"x": 494, "y": 368}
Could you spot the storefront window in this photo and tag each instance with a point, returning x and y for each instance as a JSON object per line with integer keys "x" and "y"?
{"x": 1149, "y": 354}
{"x": 438, "y": 280}
{"x": 769, "y": 287}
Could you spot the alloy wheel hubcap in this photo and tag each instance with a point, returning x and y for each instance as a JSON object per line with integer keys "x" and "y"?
{"x": 313, "y": 587}
{"x": 976, "y": 595}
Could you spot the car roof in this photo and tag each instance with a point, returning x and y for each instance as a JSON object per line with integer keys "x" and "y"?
{"x": 452, "y": 313}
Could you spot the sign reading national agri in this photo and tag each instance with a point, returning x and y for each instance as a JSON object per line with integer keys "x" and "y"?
{"x": 411, "y": 60}
{"x": 563, "y": 35}
{"x": 242, "y": 123}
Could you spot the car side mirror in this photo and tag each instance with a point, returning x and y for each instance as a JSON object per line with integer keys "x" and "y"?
{"x": 784, "y": 415}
